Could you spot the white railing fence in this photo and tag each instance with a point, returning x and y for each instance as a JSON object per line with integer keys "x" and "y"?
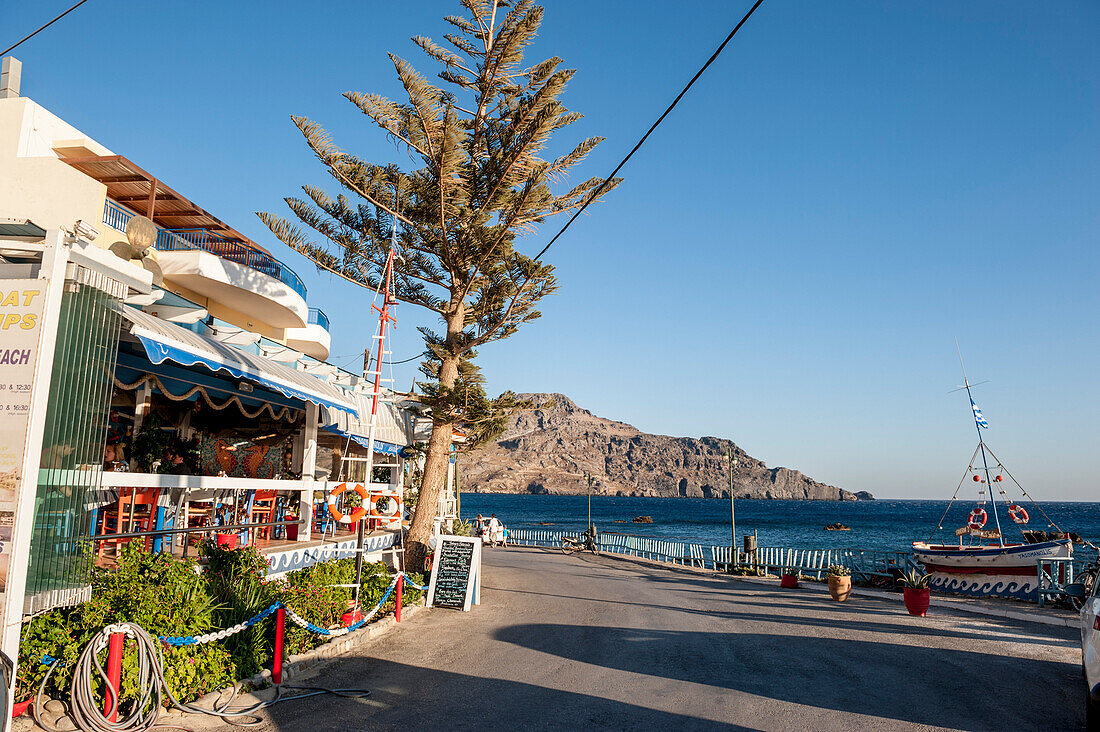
{"x": 864, "y": 564}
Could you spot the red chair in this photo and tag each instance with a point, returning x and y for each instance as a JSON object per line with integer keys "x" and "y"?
{"x": 263, "y": 512}
{"x": 143, "y": 504}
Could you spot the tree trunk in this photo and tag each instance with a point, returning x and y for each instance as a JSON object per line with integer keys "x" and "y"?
{"x": 435, "y": 477}
{"x": 435, "y": 463}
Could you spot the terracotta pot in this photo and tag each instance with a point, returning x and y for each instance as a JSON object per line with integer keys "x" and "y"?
{"x": 789, "y": 581}
{"x": 840, "y": 588}
{"x": 916, "y": 601}
{"x": 353, "y": 615}
{"x": 229, "y": 541}
{"x": 18, "y": 709}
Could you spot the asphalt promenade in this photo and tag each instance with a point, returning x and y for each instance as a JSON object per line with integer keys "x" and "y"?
{"x": 604, "y": 643}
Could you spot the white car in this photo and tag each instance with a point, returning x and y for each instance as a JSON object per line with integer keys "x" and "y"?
{"x": 1090, "y": 654}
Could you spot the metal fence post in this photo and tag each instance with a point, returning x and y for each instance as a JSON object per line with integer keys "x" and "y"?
{"x": 397, "y": 600}
{"x": 277, "y": 662}
{"x": 114, "y": 677}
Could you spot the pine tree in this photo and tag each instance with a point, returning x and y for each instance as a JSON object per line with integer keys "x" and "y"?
{"x": 481, "y": 186}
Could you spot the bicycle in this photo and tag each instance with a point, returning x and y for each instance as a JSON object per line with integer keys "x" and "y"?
{"x": 570, "y": 545}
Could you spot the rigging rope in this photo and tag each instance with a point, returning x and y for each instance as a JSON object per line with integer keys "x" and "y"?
{"x": 939, "y": 525}
{"x": 1024, "y": 491}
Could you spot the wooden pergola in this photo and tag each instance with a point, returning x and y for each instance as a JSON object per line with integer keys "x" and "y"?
{"x": 130, "y": 185}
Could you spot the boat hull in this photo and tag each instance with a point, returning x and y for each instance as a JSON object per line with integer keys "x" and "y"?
{"x": 988, "y": 571}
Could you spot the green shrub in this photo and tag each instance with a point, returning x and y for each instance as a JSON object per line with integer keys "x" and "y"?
{"x": 168, "y": 597}
{"x": 235, "y": 579}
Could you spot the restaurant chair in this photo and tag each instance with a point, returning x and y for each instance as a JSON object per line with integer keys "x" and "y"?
{"x": 117, "y": 520}
{"x": 263, "y": 512}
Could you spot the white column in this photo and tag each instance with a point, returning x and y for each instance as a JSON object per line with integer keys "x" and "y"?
{"x": 144, "y": 402}
{"x": 52, "y": 274}
{"x": 308, "y": 467}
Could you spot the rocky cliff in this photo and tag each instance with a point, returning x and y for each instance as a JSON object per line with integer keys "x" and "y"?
{"x": 552, "y": 450}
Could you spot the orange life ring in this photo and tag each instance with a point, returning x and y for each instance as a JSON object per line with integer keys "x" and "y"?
{"x": 1018, "y": 513}
{"x": 394, "y": 503}
{"x": 358, "y": 513}
{"x": 977, "y": 518}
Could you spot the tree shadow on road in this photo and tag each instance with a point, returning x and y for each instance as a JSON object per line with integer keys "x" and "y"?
{"x": 849, "y": 617}
{"x": 942, "y": 687}
{"x": 405, "y": 697}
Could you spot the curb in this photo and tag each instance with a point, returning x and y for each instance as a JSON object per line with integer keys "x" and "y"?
{"x": 298, "y": 662}
{"x": 958, "y": 605}
{"x": 949, "y": 603}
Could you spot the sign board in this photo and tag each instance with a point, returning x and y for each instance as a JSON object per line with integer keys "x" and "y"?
{"x": 456, "y": 572}
{"x": 21, "y": 306}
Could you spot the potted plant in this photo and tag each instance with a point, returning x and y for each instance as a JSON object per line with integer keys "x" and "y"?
{"x": 788, "y": 579}
{"x": 916, "y": 592}
{"x": 840, "y": 582}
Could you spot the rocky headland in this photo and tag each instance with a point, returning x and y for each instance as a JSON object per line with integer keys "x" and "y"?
{"x": 554, "y": 450}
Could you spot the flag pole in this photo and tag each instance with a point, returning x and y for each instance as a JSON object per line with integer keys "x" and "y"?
{"x": 981, "y": 446}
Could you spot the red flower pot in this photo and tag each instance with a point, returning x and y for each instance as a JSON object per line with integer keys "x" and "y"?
{"x": 18, "y": 709}
{"x": 788, "y": 580}
{"x": 351, "y": 616}
{"x": 229, "y": 541}
{"x": 916, "y": 601}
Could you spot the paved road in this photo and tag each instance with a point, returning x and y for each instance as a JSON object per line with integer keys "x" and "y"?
{"x": 598, "y": 643}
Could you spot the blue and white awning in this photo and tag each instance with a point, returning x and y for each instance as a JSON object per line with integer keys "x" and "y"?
{"x": 392, "y": 424}
{"x": 164, "y": 341}
{"x": 386, "y": 448}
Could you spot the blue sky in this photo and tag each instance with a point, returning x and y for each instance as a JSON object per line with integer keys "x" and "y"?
{"x": 851, "y": 186}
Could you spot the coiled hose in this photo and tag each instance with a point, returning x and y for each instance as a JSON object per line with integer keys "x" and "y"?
{"x": 87, "y": 715}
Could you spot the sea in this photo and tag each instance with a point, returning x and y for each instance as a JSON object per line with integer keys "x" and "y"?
{"x": 882, "y": 524}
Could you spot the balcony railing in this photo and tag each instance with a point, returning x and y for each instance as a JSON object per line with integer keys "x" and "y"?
{"x": 317, "y": 317}
{"x": 116, "y": 217}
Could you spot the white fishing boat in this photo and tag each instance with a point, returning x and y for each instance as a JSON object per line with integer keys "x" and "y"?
{"x": 984, "y": 562}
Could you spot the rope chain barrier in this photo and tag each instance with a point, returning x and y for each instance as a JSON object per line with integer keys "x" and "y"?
{"x": 90, "y": 714}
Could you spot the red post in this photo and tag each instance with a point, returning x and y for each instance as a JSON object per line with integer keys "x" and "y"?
{"x": 277, "y": 662}
{"x": 114, "y": 676}
{"x": 397, "y": 605}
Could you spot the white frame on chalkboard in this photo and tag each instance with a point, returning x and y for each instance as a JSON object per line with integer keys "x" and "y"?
{"x": 473, "y": 587}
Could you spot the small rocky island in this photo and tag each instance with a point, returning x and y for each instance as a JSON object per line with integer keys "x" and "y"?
{"x": 552, "y": 450}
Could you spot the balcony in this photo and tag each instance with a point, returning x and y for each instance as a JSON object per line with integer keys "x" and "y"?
{"x": 233, "y": 274}
{"x": 317, "y": 317}
{"x": 117, "y": 217}
{"x": 313, "y": 340}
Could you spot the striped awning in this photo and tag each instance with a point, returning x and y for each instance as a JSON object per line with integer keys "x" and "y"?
{"x": 164, "y": 341}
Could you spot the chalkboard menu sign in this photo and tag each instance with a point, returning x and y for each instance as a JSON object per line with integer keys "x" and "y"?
{"x": 456, "y": 572}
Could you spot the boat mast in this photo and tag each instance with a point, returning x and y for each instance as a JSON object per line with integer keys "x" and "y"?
{"x": 981, "y": 446}
{"x": 384, "y": 318}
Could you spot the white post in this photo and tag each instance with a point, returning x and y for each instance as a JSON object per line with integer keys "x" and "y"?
{"x": 52, "y": 275}
{"x": 309, "y": 467}
{"x": 144, "y": 402}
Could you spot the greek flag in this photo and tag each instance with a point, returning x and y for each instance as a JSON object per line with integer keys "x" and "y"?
{"x": 978, "y": 415}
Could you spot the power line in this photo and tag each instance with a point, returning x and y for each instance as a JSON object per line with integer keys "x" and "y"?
{"x": 660, "y": 119}
{"x": 42, "y": 28}
{"x": 394, "y": 363}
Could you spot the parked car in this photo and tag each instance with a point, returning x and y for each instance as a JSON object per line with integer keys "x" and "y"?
{"x": 1089, "y": 594}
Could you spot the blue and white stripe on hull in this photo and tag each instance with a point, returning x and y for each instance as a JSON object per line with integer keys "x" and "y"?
{"x": 984, "y": 585}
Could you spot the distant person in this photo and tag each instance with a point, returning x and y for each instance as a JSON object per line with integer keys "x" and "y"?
{"x": 176, "y": 463}
{"x": 479, "y": 525}
{"x": 496, "y": 530}
{"x": 592, "y": 538}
